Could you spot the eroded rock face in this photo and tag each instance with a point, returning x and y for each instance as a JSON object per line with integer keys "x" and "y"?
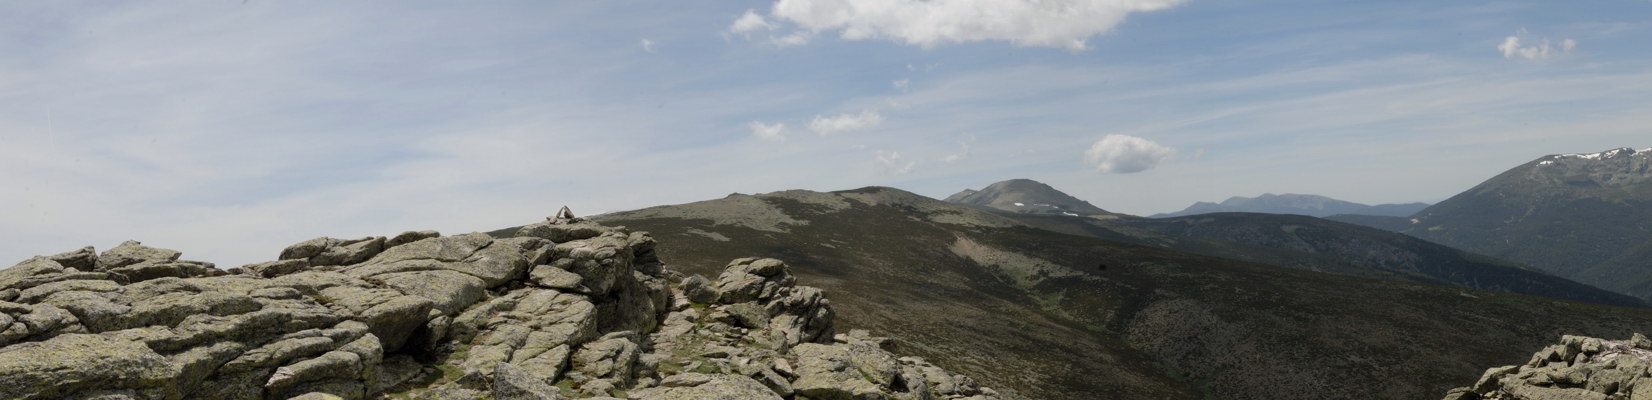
{"x": 1581, "y": 368}
{"x": 565, "y": 309}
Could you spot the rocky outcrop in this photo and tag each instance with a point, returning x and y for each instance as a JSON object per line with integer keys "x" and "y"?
{"x": 561, "y": 309}
{"x": 1581, "y": 368}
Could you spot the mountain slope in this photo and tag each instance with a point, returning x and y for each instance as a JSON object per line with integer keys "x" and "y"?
{"x": 872, "y": 249}
{"x": 1387, "y": 223}
{"x": 1583, "y": 216}
{"x": 1301, "y": 204}
{"x": 1379, "y": 250}
{"x": 1313, "y": 244}
{"x": 1041, "y": 314}
{"x": 1024, "y": 196}
{"x": 1328, "y": 246}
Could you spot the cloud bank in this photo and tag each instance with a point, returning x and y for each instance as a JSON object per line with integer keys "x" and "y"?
{"x": 1052, "y": 23}
{"x": 1123, "y": 154}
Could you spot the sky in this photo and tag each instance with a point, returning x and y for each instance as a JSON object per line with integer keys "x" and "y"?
{"x": 230, "y": 129}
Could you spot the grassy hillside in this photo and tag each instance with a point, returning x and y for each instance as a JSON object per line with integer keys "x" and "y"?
{"x": 1053, "y": 315}
{"x": 883, "y": 269}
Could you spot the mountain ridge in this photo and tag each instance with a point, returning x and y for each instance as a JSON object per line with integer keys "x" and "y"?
{"x": 1291, "y": 203}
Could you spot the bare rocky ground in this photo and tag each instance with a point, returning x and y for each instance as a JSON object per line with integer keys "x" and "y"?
{"x": 561, "y": 309}
{"x": 1578, "y": 368}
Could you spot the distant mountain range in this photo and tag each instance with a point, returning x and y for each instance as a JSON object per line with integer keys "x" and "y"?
{"x": 1587, "y": 217}
{"x": 1301, "y": 204}
{"x": 1025, "y": 196}
{"x": 1316, "y": 244}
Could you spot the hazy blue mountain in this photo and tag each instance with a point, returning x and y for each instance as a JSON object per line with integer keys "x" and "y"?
{"x": 1587, "y": 217}
{"x": 1301, "y": 204}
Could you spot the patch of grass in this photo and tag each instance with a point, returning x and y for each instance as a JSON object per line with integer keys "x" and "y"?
{"x": 446, "y": 372}
{"x": 566, "y": 386}
{"x": 706, "y": 367}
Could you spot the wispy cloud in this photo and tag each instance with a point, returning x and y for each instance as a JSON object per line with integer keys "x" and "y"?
{"x": 891, "y": 163}
{"x": 901, "y": 85}
{"x": 647, "y": 45}
{"x": 824, "y": 125}
{"x": 963, "y": 150}
{"x": 750, "y": 22}
{"x": 791, "y": 39}
{"x": 769, "y": 132}
{"x": 1538, "y": 49}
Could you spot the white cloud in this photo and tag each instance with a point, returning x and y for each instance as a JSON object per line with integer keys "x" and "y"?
{"x": 793, "y": 39}
{"x": 891, "y": 163}
{"x": 963, "y": 150}
{"x": 1125, "y": 154}
{"x": 647, "y": 45}
{"x": 750, "y": 22}
{"x": 1540, "y": 50}
{"x": 773, "y": 133}
{"x": 845, "y": 122}
{"x": 1052, "y": 23}
{"x": 901, "y": 84}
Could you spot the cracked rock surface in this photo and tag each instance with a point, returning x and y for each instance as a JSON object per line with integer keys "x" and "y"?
{"x": 561, "y": 309}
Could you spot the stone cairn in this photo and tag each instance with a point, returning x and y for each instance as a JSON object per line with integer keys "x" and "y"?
{"x": 561, "y": 309}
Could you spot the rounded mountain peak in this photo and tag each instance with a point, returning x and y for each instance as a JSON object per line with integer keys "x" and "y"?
{"x": 1025, "y": 196}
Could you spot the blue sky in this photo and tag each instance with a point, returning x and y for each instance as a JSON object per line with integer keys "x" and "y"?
{"x": 230, "y": 129}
